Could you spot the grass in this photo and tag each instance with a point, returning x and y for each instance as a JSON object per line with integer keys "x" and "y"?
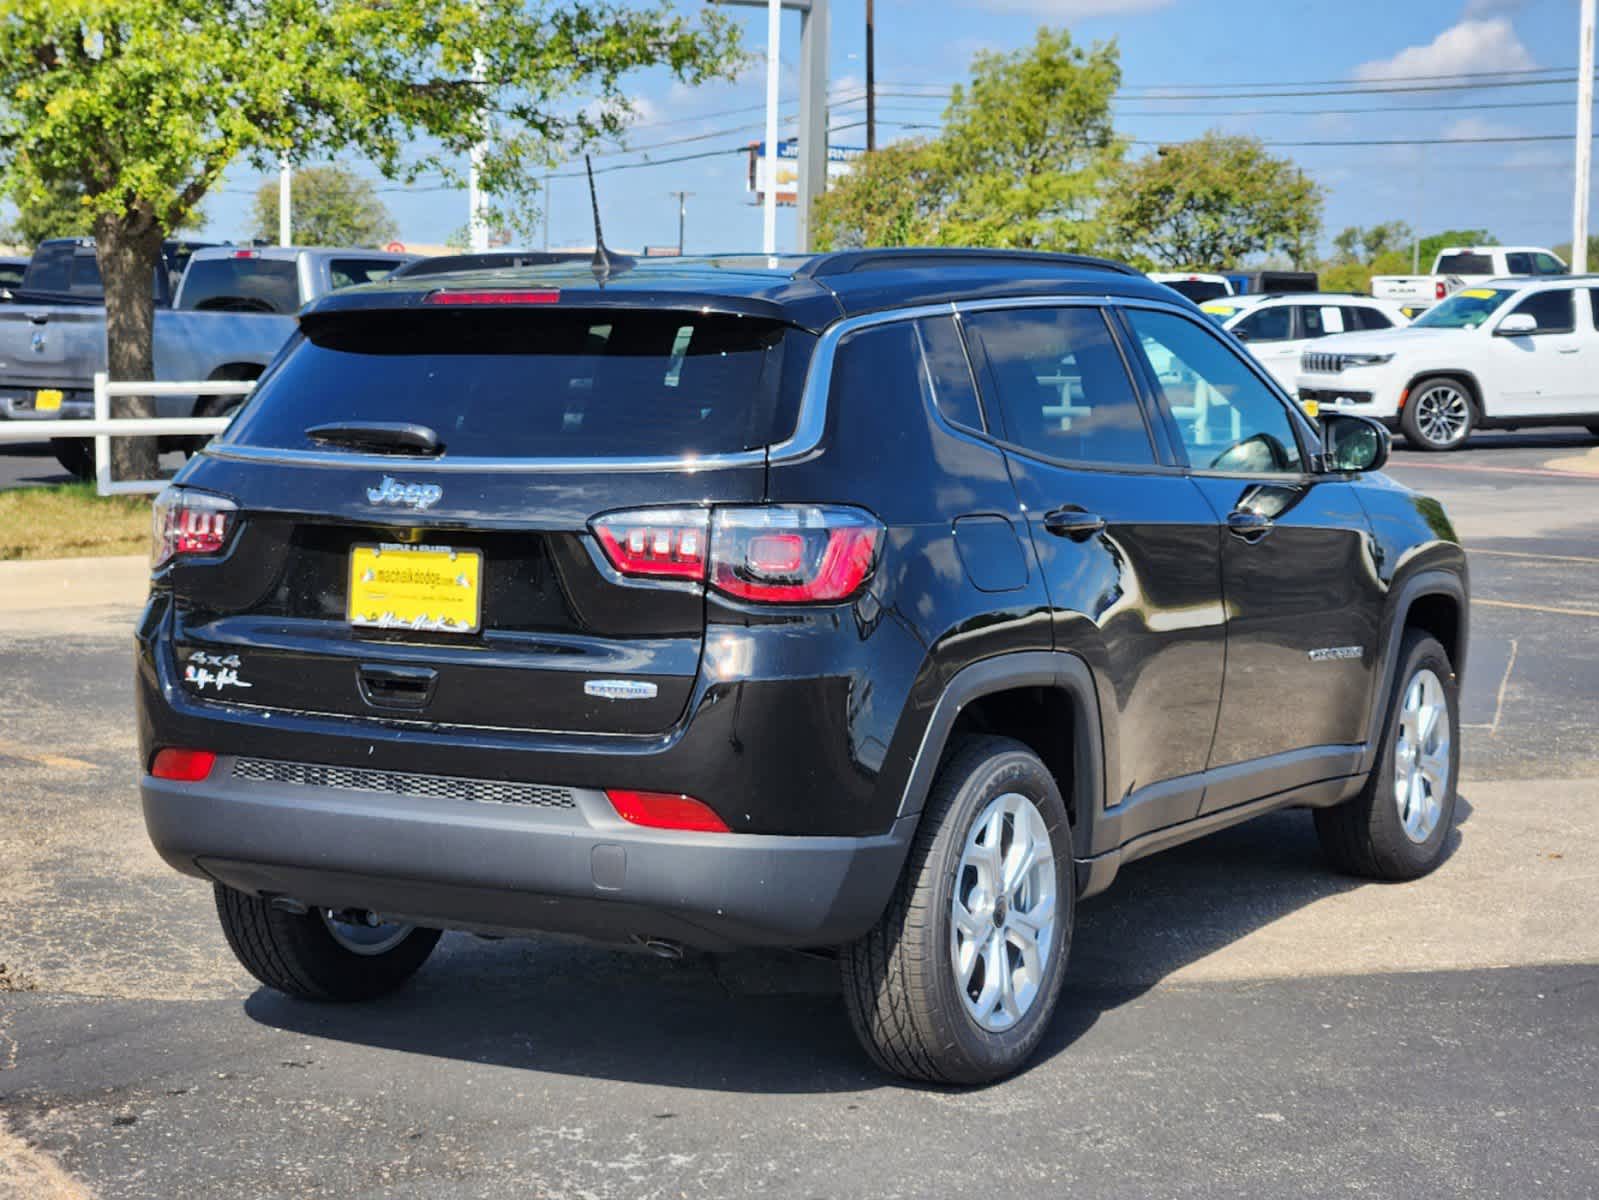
{"x": 71, "y": 521}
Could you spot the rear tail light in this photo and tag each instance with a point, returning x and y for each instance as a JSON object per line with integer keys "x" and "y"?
{"x": 666, "y": 810}
{"x": 183, "y": 766}
{"x": 523, "y": 296}
{"x": 184, "y": 521}
{"x": 661, "y": 543}
{"x": 781, "y": 554}
{"x": 1439, "y": 291}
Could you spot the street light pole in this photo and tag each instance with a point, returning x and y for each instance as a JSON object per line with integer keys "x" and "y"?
{"x": 774, "y": 34}
{"x": 1579, "y": 207}
{"x": 871, "y": 79}
{"x": 285, "y": 199}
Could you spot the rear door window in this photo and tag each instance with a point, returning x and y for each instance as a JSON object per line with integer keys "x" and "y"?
{"x": 540, "y": 384}
{"x": 351, "y": 272}
{"x": 241, "y": 284}
{"x": 1363, "y": 317}
{"x": 1061, "y": 385}
{"x": 1320, "y": 320}
{"x": 1518, "y": 263}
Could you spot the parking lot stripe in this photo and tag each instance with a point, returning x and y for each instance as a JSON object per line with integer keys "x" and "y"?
{"x": 1565, "y": 612}
{"x": 1571, "y": 558}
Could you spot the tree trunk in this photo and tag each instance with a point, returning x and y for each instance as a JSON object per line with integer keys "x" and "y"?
{"x": 128, "y": 246}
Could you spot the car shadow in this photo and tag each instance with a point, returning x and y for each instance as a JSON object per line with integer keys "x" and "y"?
{"x": 772, "y": 1022}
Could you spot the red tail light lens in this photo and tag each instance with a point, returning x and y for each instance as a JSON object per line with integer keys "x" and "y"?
{"x": 793, "y": 554}
{"x": 184, "y": 521}
{"x": 777, "y": 554}
{"x": 525, "y": 296}
{"x": 1439, "y": 291}
{"x": 666, "y": 810}
{"x": 183, "y": 766}
{"x": 662, "y": 543}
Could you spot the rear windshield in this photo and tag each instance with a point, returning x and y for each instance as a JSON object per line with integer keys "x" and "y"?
{"x": 519, "y": 384}
{"x": 1198, "y": 290}
{"x": 258, "y": 285}
{"x": 1464, "y": 264}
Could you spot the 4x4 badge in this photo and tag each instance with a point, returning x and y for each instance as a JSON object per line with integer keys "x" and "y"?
{"x": 411, "y": 495}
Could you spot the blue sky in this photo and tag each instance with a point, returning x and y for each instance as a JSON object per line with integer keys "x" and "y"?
{"x": 1521, "y": 190}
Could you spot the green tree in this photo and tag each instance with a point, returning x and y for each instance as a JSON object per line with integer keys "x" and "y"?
{"x": 1026, "y": 153}
{"x": 328, "y": 206}
{"x": 1564, "y": 251}
{"x": 1433, "y": 243}
{"x": 57, "y": 211}
{"x": 1214, "y": 202}
{"x": 144, "y": 103}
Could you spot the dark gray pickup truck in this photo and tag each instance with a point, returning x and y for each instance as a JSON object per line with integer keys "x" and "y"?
{"x": 225, "y": 318}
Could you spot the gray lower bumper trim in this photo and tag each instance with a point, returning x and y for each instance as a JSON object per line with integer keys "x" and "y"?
{"x": 459, "y": 864}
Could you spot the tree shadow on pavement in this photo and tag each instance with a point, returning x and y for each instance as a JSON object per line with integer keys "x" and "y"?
{"x": 773, "y": 1022}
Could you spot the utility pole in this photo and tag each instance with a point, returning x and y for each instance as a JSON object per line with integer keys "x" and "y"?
{"x": 774, "y": 38}
{"x": 285, "y": 198}
{"x": 546, "y": 212}
{"x": 871, "y": 79}
{"x": 1579, "y": 207}
{"x": 682, "y": 215}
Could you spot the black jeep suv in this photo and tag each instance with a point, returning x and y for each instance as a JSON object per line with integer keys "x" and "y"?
{"x": 879, "y": 600}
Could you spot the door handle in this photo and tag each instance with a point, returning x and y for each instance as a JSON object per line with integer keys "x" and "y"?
{"x": 1249, "y": 526}
{"x": 396, "y": 687}
{"x": 1072, "y": 522}
{"x": 1568, "y": 349}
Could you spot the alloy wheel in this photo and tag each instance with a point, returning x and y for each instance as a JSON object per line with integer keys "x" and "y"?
{"x": 1002, "y": 914}
{"x": 368, "y": 937}
{"x": 1421, "y": 756}
{"x": 1443, "y": 414}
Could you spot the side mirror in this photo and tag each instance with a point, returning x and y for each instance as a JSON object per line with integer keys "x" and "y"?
{"x": 1352, "y": 443}
{"x": 1516, "y": 324}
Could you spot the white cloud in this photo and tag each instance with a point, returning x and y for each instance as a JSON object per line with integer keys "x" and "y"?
{"x": 1492, "y": 8}
{"x": 1470, "y": 45}
{"x": 1075, "y": 10}
{"x": 1479, "y": 127}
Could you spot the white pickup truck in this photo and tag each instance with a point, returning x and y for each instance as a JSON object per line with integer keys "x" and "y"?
{"x": 1462, "y": 266}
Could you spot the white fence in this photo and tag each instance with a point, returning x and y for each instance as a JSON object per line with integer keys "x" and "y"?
{"x": 103, "y": 427}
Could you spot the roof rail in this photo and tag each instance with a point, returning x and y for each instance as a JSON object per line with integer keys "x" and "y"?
{"x": 847, "y": 262}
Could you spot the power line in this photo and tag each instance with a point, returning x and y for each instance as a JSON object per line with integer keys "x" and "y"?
{"x": 1201, "y": 87}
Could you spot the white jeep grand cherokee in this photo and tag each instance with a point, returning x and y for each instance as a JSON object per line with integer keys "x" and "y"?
{"x": 1508, "y": 353}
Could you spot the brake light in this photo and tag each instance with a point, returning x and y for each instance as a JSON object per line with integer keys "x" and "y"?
{"x": 525, "y": 296}
{"x": 246, "y": 254}
{"x": 183, "y": 766}
{"x": 793, "y": 554}
{"x": 1439, "y": 291}
{"x": 185, "y": 521}
{"x": 666, "y": 810}
{"x": 777, "y": 554}
{"x": 663, "y": 543}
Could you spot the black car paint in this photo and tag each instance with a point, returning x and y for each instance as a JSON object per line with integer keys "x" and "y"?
{"x": 828, "y": 721}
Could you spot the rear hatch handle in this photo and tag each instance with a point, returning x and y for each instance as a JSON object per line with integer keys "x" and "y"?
{"x": 384, "y": 686}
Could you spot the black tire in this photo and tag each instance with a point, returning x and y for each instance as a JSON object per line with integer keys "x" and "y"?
{"x": 900, "y": 984}
{"x": 1366, "y": 835}
{"x": 296, "y": 954}
{"x": 1428, "y": 394}
{"x": 76, "y": 456}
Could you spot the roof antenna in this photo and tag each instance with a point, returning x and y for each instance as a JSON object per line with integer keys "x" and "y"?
{"x": 605, "y": 264}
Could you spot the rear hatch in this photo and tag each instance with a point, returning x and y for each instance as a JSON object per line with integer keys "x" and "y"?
{"x": 466, "y": 587}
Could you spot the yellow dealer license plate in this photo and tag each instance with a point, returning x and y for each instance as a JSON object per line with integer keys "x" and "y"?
{"x": 431, "y": 588}
{"x": 47, "y": 400}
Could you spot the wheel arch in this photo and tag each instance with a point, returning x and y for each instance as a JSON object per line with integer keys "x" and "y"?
{"x": 1459, "y": 375}
{"x": 1435, "y": 601}
{"x": 1030, "y": 696}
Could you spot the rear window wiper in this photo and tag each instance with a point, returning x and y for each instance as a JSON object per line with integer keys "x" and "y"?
{"x": 381, "y": 437}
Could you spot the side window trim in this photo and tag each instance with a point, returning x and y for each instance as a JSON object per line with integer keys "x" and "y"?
{"x": 988, "y": 388}
{"x": 1309, "y": 441}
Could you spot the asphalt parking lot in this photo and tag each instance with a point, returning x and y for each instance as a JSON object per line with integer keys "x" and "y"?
{"x": 1239, "y": 1021}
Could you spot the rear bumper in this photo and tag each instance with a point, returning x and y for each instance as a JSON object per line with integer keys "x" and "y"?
{"x": 18, "y": 405}
{"x": 461, "y": 863}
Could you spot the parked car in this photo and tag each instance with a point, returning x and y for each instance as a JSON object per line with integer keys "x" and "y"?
{"x": 1198, "y": 287}
{"x": 880, "y": 600}
{"x": 12, "y": 269}
{"x": 233, "y": 309}
{"x": 1277, "y": 328}
{"x": 1457, "y": 267}
{"x": 1512, "y": 353}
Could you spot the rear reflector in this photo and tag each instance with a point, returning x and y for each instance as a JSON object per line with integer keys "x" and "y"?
{"x": 526, "y": 296}
{"x": 184, "y": 766}
{"x": 666, "y": 810}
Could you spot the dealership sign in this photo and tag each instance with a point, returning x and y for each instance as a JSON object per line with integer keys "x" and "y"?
{"x": 840, "y": 161}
